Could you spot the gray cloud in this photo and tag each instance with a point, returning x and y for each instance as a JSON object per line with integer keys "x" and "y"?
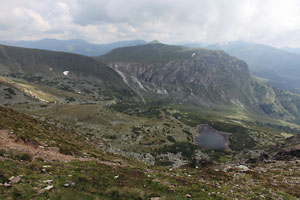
{"x": 274, "y": 22}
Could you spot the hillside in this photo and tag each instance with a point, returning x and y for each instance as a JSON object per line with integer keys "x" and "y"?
{"x": 61, "y": 70}
{"x": 204, "y": 121}
{"x": 149, "y": 53}
{"x": 48, "y": 160}
{"x": 280, "y": 67}
{"x": 73, "y": 46}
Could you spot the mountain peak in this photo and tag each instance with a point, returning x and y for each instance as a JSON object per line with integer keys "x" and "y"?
{"x": 154, "y": 42}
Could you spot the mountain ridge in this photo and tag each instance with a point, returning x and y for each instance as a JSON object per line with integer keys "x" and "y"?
{"x": 278, "y": 66}
{"x": 60, "y": 69}
{"x": 168, "y": 67}
{"x": 77, "y": 46}
{"x": 177, "y": 74}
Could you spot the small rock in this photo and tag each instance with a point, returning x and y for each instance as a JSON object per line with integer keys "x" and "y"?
{"x": 243, "y": 168}
{"x": 226, "y": 169}
{"x": 7, "y": 185}
{"x": 116, "y": 177}
{"x": 72, "y": 184}
{"x": 55, "y": 149}
{"x": 155, "y": 198}
{"x": 48, "y": 181}
{"x": 50, "y": 187}
{"x": 14, "y": 180}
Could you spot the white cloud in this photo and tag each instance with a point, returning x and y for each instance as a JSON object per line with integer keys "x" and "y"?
{"x": 274, "y": 22}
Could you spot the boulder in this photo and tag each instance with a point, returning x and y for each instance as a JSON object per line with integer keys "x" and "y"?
{"x": 243, "y": 168}
{"x": 14, "y": 180}
{"x": 50, "y": 187}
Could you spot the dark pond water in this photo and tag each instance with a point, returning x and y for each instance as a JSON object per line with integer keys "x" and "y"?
{"x": 210, "y": 138}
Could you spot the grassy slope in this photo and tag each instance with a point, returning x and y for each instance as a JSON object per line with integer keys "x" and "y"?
{"x": 277, "y": 103}
{"x": 145, "y": 128}
{"x": 40, "y": 92}
{"x": 16, "y": 60}
{"x": 151, "y": 53}
{"x": 94, "y": 179}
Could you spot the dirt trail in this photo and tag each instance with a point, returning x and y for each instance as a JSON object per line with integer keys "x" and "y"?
{"x": 9, "y": 142}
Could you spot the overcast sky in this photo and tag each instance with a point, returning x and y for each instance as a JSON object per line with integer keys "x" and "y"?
{"x": 273, "y": 22}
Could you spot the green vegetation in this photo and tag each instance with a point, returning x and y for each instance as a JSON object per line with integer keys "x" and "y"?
{"x": 104, "y": 178}
{"x": 187, "y": 149}
{"x": 91, "y": 140}
{"x": 91, "y": 180}
{"x": 139, "y": 110}
{"x": 22, "y": 156}
{"x": 151, "y": 53}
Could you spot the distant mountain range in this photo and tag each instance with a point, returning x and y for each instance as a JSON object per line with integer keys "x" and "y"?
{"x": 292, "y": 50}
{"x": 281, "y": 68}
{"x": 73, "y": 46}
{"x": 192, "y": 44}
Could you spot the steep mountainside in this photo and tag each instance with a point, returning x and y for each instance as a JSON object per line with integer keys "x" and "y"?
{"x": 62, "y": 70}
{"x": 182, "y": 74}
{"x": 281, "y": 68}
{"x": 73, "y": 46}
{"x": 174, "y": 74}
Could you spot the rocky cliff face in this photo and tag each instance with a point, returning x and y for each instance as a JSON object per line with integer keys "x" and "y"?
{"x": 200, "y": 76}
{"x": 176, "y": 74}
